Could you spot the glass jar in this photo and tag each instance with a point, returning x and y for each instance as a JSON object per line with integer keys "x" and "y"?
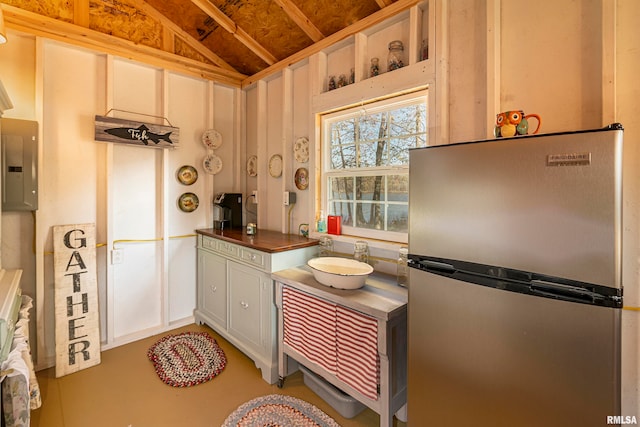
{"x": 326, "y": 246}
{"x": 331, "y": 84}
{"x": 361, "y": 251}
{"x": 375, "y": 67}
{"x": 252, "y": 228}
{"x": 395, "y": 58}
{"x": 342, "y": 81}
{"x": 403, "y": 266}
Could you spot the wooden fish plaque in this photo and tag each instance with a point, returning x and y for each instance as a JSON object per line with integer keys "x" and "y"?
{"x": 76, "y": 298}
{"x": 110, "y": 129}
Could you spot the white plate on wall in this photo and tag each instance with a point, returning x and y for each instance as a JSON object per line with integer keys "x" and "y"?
{"x": 275, "y": 166}
{"x": 212, "y": 164}
{"x": 212, "y": 139}
{"x": 301, "y": 150}
{"x": 252, "y": 166}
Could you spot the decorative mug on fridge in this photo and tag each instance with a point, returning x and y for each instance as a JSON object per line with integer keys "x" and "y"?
{"x": 513, "y": 123}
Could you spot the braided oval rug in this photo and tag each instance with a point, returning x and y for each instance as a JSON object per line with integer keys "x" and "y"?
{"x": 187, "y": 359}
{"x": 277, "y": 410}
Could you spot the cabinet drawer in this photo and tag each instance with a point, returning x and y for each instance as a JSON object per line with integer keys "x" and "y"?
{"x": 254, "y": 258}
{"x": 228, "y": 249}
{"x": 209, "y": 243}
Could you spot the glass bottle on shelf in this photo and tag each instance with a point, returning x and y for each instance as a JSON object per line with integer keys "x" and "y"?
{"x": 352, "y": 76}
{"x": 395, "y": 58}
{"x": 342, "y": 80}
{"x": 326, "y": 246}
{"x": 361, "y": 251}
{"x": 332, "y": 83}
{"x": 424, "y": 51}
{"x": 375, "y": 67}
{"x": 321, "y": 225}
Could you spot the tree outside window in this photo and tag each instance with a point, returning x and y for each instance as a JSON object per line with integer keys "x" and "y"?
{"x": 366, "y": 165}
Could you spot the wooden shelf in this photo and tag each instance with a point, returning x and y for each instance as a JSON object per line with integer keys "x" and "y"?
{"x": 411, "y": 27}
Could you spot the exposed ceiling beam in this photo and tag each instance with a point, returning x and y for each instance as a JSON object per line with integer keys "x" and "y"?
{"x": 81, "y": 13}
{"x": 191, "y": 41}
{"x": 366, "y": 22}
{"x": 39, "y": 25}
{"x": 300, "y": 19}
{"x": 226, "y": 23}
{"x": 384, "y": 3}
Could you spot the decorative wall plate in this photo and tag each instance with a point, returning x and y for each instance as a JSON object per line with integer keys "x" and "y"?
{"x": 302, "y": 178}
{"x": 187, "y": 175}
{"x": 212, "y": 164}
{"x": 301, "y": 150}
{"x": 275, "y": 165}
{"x": 188, "y": 202}
{"x": 252, "y": 166}
{"x": 212, "y": 139}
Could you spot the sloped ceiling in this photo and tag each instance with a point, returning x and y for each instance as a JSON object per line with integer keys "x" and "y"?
{"x": 250, "y": 35}
{"x": 243, "y": 37}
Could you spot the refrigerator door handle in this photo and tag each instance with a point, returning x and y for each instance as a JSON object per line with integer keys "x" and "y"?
{"x": 440, "y": 267}
{"x": 566, "y": 292}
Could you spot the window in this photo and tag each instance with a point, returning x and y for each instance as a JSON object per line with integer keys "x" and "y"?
{"x": 366, "y": 164}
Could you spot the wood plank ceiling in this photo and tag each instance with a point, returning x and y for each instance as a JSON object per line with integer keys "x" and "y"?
{"x": 240, "y": 37}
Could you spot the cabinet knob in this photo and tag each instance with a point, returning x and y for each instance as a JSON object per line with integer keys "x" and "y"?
{"x": 214, "y": 288}
{"x": 244, "y": 305}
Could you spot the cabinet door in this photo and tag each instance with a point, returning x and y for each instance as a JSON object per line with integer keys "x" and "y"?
{"x": 250, "y": 304}
{"x": 212, "y": 286}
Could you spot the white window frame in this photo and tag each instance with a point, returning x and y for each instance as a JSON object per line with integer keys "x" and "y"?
{"x": 326, "y": 174}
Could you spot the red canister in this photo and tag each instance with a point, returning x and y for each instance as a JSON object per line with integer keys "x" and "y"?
{"x": 334, "y": 224}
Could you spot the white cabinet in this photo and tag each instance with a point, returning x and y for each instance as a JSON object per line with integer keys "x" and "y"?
{"x": 250, "y": 295}
{"x": 236, "y": 292}
{"x": 10, "y": 300}
{"x": 212, "y": 286}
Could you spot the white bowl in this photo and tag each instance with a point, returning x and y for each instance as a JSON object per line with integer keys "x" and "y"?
{"x": 341, "y": 273}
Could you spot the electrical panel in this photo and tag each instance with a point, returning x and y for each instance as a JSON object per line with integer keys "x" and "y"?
{"x": 19, "y": 164}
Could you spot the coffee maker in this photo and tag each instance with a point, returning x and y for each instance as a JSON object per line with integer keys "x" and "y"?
{"x": 227, "y": 211}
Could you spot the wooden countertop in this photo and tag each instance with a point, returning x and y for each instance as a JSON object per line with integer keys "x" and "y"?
{"x": 380, "y": 297}
{"x": 264, "y": 240}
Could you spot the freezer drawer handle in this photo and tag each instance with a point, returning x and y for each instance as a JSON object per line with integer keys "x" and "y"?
{"x": 564, "y": 291}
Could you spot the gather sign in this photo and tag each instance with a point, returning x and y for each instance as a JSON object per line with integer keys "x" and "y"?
{"x": 76, "y": 298}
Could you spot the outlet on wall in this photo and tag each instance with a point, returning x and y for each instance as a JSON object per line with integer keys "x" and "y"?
{"x": 289, "y": 198}
{"x": 116, "y": 256}
{"x": 254, "y": 193}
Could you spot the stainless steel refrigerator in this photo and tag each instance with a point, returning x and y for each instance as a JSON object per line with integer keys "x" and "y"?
{"x": 515, "y": 290}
